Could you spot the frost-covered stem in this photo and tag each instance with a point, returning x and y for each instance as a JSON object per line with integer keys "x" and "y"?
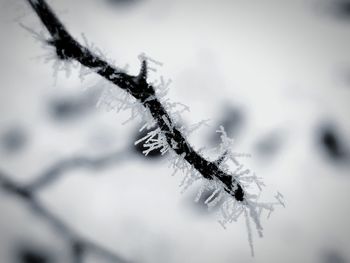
{"x": 67, "y": 48}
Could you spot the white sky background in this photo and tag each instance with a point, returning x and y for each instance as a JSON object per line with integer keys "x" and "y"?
{"x": 284, "y": 64}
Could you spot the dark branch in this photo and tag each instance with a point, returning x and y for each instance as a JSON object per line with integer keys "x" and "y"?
{"x": 68, "y": 48}
{"x": 79, "y": 245}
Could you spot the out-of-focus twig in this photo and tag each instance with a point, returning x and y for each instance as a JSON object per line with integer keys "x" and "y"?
{"x": 27, "y": 193}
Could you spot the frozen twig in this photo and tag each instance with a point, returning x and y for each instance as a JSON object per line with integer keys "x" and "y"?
{"x": 67, "y": 48}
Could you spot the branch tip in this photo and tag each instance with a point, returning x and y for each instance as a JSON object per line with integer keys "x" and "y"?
{"x": 143, "y": 71}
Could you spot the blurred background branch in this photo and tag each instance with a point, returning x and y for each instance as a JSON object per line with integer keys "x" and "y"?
{"x": 27, "y": 193}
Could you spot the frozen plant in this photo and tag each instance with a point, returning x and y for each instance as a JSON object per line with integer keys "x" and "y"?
{"x": 234, "y": 191}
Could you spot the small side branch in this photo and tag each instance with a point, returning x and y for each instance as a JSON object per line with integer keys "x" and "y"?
{"x": 68, "y": 48}
{"x": 55, "y": 171}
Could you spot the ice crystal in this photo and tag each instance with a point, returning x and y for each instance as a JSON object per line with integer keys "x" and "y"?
{"x": 154, "y": 140}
